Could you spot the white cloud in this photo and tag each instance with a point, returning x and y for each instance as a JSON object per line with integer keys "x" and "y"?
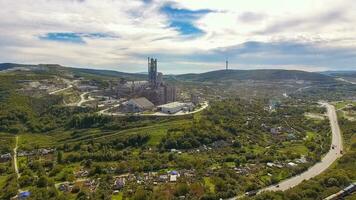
{"x": 141, "y": 29}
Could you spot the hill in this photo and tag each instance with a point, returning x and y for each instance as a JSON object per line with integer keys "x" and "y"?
{"x": 213, "y": 76}
{"x": 55, "y": 69}
{"x": 340, "y": 73}
{"x": 261, "y": 75}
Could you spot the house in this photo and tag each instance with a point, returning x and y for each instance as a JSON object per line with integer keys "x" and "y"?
{"x": 173, "y": 178}
{"x": 139, "y": 104}
{"x": 173, "y": 175}
{"x": 82, "y": 173}
{"x": 65, "y": 187}
{"x": 5, "y": 157}
{"x": 89, "y": 183}
{"x": 45, "y": 151}
{"x": 291, "y": 164}
{"x": 163, "y": 178}
{"x": 119, "y": 183}
{"x": 269, "y": 164}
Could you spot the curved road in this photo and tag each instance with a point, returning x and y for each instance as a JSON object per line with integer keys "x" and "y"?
{"x": 347, "y": 81}
{"x": 318, "y": 168}
{"x": 159, "y": 114}
{"x": 61, "y": 90}
{"x": 83, "y": 100}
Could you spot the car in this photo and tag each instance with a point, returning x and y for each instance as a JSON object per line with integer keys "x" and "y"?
{"x": 251, "y": 193}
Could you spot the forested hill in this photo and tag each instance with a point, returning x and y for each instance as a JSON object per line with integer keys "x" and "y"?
{"x": 340, "y": 73}
{"x": 262, "y": 75}
{"x": 55, "y": 69}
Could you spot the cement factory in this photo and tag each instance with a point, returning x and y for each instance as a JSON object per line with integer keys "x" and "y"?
{"x": 122, "y": 96}
{"x": 153, "y": 95}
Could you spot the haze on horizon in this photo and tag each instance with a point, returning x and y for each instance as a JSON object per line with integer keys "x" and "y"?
{"x": 185, "y": 35}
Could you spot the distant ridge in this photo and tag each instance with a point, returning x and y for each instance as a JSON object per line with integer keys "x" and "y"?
{"x": 347, "y": 73}
{"x": 55, "y": 68}
{"x": 259, "y": 74}
{"x": 212, "y": 76}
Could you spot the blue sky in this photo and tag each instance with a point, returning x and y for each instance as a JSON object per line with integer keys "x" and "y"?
{"x": 185, "y": 35}
{"x": 182, "y": 20}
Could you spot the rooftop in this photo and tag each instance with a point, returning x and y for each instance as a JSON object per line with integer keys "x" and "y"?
{"x": 142, "y": 102}
{"x": 172, "y": 105}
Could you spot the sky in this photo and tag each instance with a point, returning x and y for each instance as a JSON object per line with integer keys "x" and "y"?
{"x": 186, "y": 36}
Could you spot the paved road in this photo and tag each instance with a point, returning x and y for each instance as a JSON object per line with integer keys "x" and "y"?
{"x": 160, "y": 114}
{"x": 347, "y": 81}
{"x": 318, "y": 168}
{"x": 326, "y": 161}
{"x": 15, "y": 158}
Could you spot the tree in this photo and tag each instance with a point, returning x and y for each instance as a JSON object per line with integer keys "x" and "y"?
{"x": 42, "y": 181}
{"x": 25, "y": 181}
{"x": 60, "y": 157}
{"x": 182, "y": 189}
{"x": 141, "y": 194}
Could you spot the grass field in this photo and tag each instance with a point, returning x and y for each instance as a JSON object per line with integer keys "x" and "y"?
{"x": 156, "y": 132}
{"x": 342, "y": 104}
{"x": 2, "y": 181}
{"x": 310, "y": 135}
{"x": 117, "y": 196}
{"x": 294, "y": 148}
{"x": 7, "y": 142}
{"x": 33, "y": 141}
{"x": 208, "y": 183}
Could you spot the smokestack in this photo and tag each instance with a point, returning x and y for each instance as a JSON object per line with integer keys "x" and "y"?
{"x": 148, "y": 63}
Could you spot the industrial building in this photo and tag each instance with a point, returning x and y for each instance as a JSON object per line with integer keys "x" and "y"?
{"x": 139, "y": 105}
{"x": 174, "y": 107}
{"x": 160, "y": 92}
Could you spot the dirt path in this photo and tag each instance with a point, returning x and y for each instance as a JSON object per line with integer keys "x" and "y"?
{"x": 15, "y": 158}
{"x": 61, "y": 90}
{"x": 83, "y": 100}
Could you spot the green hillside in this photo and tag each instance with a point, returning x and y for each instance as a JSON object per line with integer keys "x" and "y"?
{"x": 54, "y": 69}
{"x": 262, "y": 75}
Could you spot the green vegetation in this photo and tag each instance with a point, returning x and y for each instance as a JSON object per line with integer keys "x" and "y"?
{"x": 208, "y": 183}
{"x": 233, "y": 75}
{"x": 70, "y": 96}
{"x": 34, "y": 141}
{"x": 235, "y": 146}
{"x": 117, "y": 196}
{"x": 213, "y": 144}
{"x": 340, "y": 175}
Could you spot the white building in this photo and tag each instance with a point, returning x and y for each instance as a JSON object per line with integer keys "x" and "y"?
{"x": 175, "y": 107}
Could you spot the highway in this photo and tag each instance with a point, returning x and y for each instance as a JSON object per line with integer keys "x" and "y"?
{"x": 319, "y": 167}
{"x": 347, "y": 81}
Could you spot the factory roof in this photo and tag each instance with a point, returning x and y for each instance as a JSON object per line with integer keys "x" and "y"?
{"x": 142, "y": 102}
{"x": 172, "y": 105}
